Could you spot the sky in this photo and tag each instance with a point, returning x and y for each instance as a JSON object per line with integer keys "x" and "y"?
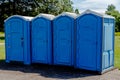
{"x": 96, "y": 5}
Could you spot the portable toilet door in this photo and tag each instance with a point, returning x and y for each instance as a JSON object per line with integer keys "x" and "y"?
{"x": 17, "y": 38}
{"x": 95, "y": 41}
{"x": 63, "y": 39}
{"x": 41, "y": 38}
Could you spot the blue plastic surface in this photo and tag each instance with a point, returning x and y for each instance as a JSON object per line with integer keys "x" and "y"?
{"x": 63, "y": 40}
{"x": 17, "y": 39}
{"x": 95, "y": 42}
{"x": 41, "y": 39}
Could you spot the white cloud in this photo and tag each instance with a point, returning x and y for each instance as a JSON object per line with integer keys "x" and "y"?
{"x": 97, "y": 5}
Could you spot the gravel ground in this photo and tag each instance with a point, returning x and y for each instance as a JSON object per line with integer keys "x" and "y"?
{"x": 15, "y": 71}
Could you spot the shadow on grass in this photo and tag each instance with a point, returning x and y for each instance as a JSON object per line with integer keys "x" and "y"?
{"x": 48, "y": 71}
{"x": 2, "y": 61}
{"x": 2, "y": 38}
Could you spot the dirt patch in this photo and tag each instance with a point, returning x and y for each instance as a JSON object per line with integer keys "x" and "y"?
{"x": 2, "y": 44}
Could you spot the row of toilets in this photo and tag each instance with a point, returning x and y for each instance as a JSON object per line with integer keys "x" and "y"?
{"x": 84, "y": 41}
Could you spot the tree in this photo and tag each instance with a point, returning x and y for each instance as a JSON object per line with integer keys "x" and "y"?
{"x": 55, "y": 7}
{"x": 111, "y": 10}
{"x": 32, "y": 8}
{"x": 77, "y": 11}
{"x": 67, "y": 6}
{"x": 111, "y": 7}
{"x": 20, "y": 7}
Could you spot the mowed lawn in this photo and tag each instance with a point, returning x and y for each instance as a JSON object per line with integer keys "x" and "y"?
{"x": 1, "y": 37}
{"x": 117, "y": 49}
{"x": 2, "y": 52}
{"x": 2, "y": 47}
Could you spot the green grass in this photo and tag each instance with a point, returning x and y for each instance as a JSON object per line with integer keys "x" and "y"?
{"x": 117, "y": 34}
{"x": 117, "y": 52}
{"x": 2, "y": 37}
{"x": 2, "y": 48}
{"x": 2, "y": 52}
{"x": 117, "y": 49}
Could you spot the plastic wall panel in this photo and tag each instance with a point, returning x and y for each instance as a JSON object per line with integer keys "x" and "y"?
{"x": 41, "y": 39}
{"x": 63, "y": 35}
{"x": 17, "y": 37}
{"x": 108, "y": 43}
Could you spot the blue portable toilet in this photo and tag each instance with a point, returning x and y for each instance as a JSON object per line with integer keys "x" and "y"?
{"x": 17, "y": 38}
{"x": 41, "y": 39}
{"x": 63, "y": 39}
{"x": 95, "y": 41}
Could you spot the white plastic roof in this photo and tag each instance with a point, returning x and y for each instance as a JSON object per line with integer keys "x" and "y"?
{"x": 47, "y": 16}
{"x": 26, "y": 18}
{"x": 95, "y": 13}
{"x": 73, "y": 15}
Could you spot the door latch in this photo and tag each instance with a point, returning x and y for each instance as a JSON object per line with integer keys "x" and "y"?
{"x": 22, "y": 42}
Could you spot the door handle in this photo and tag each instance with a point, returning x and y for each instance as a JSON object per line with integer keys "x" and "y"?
{"x": 22, "y": 38}
{"x": 22, "y": 42}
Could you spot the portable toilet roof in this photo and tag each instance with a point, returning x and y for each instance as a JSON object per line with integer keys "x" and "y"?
{"x": 96, "y": 13}
{"x": 46, "y": 16}
{"x": 72, "y": 15}
{"x": 26, "y": 18}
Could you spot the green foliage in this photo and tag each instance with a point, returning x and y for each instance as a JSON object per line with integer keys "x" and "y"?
{"x": 33, "y": 8}
{"x": 12, "y": 7}
{"x": 111, "y": 7}
{"x": 55, "y": 7}
{"x": 77, "y": 11}
{"x": 112, "y": 11}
